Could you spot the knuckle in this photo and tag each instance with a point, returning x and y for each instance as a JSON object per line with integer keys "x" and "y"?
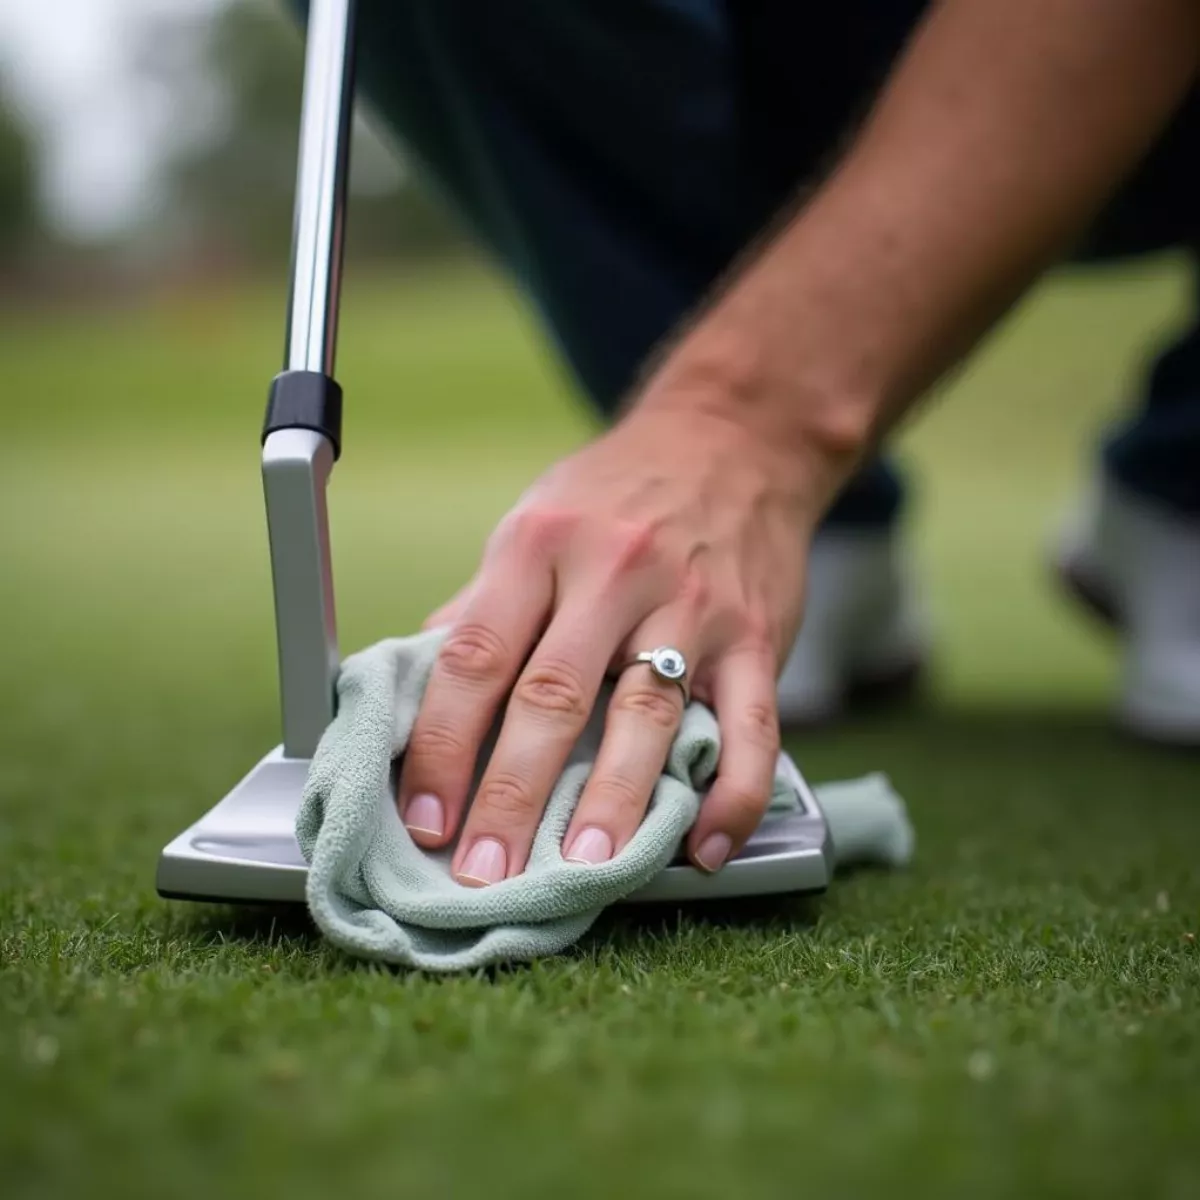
{"x": 757, "y": 629}
{"x": 660, "y": 707}
{"x": 696, "y": 592}
{"x": 537, "y": 530}
{"x": 438, "y": 741}
{"x": 505, "y": 798}
{"x": 552, "y": 689}
{"x": 474, "y": 653}
{"x": 759, "y": 725}
{"x": 744, "y": 804}
{"x": 630, "y": 547}
{"x": 619, "y": 797}
{"x": 635, "y": 543}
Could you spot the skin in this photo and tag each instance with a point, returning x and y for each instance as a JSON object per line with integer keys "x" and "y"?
{"x": 999, "y": 135}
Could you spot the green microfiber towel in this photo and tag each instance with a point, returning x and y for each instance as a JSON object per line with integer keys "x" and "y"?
{"x": 376, "y": 894}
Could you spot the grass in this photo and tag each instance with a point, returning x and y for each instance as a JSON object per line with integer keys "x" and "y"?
{"x": 1015, "y": 1015}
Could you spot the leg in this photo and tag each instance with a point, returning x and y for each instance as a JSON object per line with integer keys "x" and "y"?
{"x": 1134, "y": 556}
{"x": 588, "y": 145}
{"x": 599, "y": 151}
{"x": 602, "y": 151}
{"x": 806, "y": 72}
{"x": 1157, "y": 452}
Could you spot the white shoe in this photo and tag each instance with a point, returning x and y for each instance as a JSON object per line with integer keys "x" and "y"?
{"x": 1137, "y": 566}
{"x": 864, "y": 634}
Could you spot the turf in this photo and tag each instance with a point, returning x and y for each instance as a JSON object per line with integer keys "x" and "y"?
{"x": 1017, "y": 1014}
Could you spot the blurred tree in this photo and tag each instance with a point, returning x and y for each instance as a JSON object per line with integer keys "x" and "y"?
{"x": 231, "y": 184}
{"x": 19, "y": 224}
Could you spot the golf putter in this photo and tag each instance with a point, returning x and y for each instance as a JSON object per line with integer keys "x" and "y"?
{"x": 244, "y": 850}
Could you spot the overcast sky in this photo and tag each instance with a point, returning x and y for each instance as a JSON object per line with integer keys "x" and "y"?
{"x": 66, "y": 61}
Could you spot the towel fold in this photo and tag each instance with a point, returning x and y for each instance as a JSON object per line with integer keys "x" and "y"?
{"x": 376, "y": 894}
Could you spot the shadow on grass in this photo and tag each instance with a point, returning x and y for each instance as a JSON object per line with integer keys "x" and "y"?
{"x": 923, "y": 716}
{"x": 761, "y": 914}
{"x": 988, "y": 745}
{"x": 1021, "y": 776}
{"x": 266, "y": 925}
{"x": 1081, "y": 723}
{"x": 271, "y": 927}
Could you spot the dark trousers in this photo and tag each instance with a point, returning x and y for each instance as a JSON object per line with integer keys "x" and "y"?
{"x": 615, "y": 155}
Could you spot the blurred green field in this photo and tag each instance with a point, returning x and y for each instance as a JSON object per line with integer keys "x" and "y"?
{"x": 1017, "y": 1014}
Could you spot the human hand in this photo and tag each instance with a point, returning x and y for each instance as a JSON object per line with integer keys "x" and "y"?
{"x": 675, "y": 528}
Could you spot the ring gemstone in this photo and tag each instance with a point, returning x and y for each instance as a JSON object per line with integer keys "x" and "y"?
{"x": 668, "y": 663}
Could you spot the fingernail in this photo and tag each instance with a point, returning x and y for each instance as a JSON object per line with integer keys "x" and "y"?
{"x": 425, "y": 814}
{"x": 590, "y": 846}
{"x": 486, "y": 863}
{"x": 714, "y": 850}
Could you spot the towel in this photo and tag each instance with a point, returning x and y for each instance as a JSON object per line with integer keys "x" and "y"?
{"x": 376, "y": 894}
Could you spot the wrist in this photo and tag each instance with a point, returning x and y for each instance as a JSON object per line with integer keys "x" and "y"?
{"x": 822, "y": 420}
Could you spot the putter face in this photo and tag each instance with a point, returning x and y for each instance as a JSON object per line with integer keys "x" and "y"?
{"x": 244, "y": 850}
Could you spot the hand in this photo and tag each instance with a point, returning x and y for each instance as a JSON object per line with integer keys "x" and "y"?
{"x": 675, "y": 528}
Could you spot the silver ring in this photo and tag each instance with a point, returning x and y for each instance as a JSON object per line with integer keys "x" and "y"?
{"x": 668, "y": 664}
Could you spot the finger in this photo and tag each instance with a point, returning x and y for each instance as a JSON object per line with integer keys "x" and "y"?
{"x": 641, "y": 723}
{"x": 546, "y": 714}
{"x": 744, "y": 699}
{"x": 475, "y": 668}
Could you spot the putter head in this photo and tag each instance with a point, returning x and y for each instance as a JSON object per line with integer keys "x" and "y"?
{"x": 244, "y": 850}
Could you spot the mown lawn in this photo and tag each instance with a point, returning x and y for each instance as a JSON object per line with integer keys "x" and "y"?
{"x": 1017, "y": 1014}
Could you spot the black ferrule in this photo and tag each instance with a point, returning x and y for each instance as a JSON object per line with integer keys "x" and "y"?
{"x": 305, "y": 400}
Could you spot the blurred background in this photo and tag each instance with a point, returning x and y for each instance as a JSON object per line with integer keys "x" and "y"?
{"x": 146, "y": 167}
{"x": 147, "y": 161}
{"x": 147, "y": 157}
{"x": 151, "y": 138}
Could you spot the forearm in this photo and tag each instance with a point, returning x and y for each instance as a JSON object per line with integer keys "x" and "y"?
{"x": 1001, "y": 132}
